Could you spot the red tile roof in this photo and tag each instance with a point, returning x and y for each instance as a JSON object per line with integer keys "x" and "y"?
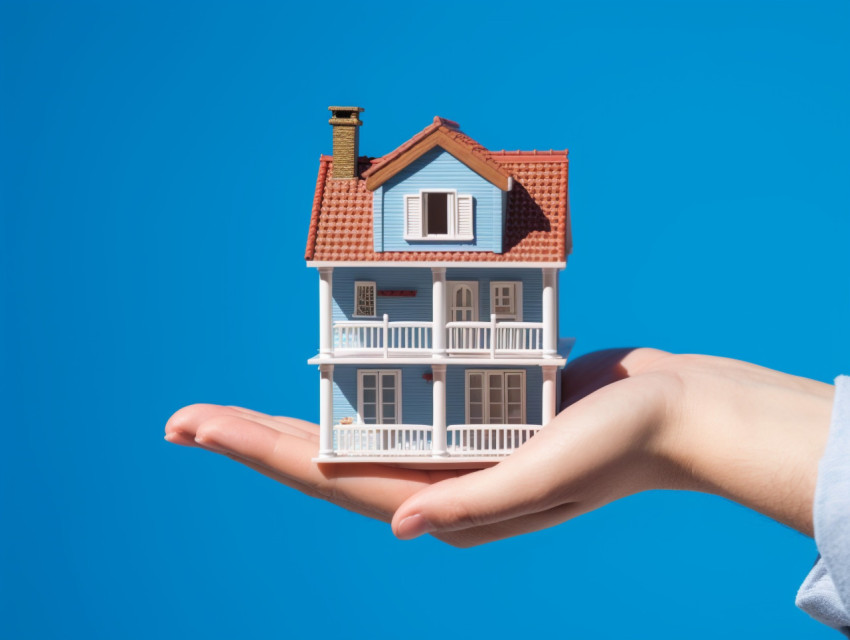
{"x": 537, "y": 228}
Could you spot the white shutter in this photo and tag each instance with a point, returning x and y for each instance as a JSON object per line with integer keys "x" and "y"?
{"x": 412, "y": 216}
{"x": 464, "y": 217}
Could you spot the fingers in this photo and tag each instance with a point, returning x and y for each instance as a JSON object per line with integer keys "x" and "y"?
{"x": 183, "y": 425}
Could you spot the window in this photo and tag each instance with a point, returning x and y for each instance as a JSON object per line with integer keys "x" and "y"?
{"x": 379, "y": 396}
{"x": 506, "y": 300}
{"x": 495, "y": 397}
{"x": 438, "y": 214}
{"x": 364, "y": 299}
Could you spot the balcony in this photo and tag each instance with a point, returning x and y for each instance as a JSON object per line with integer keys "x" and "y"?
{"x": 404, "y": 338}
{"x": 361, "y": 440}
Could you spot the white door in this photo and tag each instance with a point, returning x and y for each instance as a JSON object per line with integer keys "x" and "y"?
{"x": 379, "y": 396}
{"x": 495, "y": 397}
{"x": 463, "y": 301}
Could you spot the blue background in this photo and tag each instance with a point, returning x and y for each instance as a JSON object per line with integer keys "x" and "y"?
{"x": 158, "y": 166}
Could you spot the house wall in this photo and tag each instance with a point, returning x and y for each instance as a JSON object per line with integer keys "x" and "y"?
{"x": 438, "y": 169}
{"x": 418, "y": 308}
{"x": 417, "y": 394}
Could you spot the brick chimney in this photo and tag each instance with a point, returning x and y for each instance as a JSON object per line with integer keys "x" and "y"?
{"x": 346, "y": 127}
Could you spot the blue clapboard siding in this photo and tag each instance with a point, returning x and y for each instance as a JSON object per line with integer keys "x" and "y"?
{"x": 417, "y": 400}
{"x": 438, "y": 169}
{"x": 532, "y": 288}
{"x": 418, "y": 308}
{"x": 456, "y": 393}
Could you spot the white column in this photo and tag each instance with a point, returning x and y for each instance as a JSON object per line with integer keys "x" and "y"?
{"x": 325, "y": 312}
{"x": 326, "y": 410}
{"x": 550, "y": 313}
{"x": 550, "y": 394}
{"x": 439, "y": 445}
{"x": 438, "y": 305}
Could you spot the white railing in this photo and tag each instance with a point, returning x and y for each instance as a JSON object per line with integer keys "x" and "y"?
{"x": 378, "y": 336}
{"x": 382, "y": 440}
{"x": 488, "y": 439}
{"x": 515, "y": 338}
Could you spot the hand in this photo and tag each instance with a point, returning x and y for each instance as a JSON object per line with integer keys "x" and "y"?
{"x": 633, "y": 420}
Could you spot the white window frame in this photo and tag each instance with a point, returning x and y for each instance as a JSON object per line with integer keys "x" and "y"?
{"x": 485, "y": 400}
{"x": 379, "y": 413}
{"x": 451, "y": 288}
{"x": 452, "y": 223}
{"x": 365, "y": 284}
{"x": 516, "y": 293}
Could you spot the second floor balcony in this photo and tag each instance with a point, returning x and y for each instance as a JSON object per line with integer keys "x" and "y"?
{"x": 496, "y": 338}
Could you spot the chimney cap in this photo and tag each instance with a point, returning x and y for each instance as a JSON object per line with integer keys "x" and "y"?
{"x": 345, "y": 115}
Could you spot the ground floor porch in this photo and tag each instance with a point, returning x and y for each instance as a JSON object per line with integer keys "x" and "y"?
{"x": 432, "y": 413}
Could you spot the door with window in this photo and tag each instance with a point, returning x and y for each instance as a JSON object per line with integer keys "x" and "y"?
{"x": 463, "y": 307}
{"x": 495, "y": 397}
{"x": 379, "y": 396}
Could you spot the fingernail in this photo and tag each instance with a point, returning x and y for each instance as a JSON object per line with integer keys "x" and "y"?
{"x": 206, "y": 443}
{"x": 413, "y": 527}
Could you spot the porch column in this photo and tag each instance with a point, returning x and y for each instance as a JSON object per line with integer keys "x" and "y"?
{"x": 550, "y": 313}
{"x": 438, "y": 306}
{"x": 326, "y": 410}
{"x": 325, "y": 312}
{"x": 439, "y": 444}
{"x": 550, "y": 394}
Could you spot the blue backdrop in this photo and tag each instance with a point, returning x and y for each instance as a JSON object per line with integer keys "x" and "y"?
{"x": 158, "y": 166}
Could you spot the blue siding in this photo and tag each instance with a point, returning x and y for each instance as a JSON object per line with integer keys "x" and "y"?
{"x": 418, "y": 308}
{"x": 417, "y": 400}
{"x": 532, "y": 288}
{"x": 438, "y": 169}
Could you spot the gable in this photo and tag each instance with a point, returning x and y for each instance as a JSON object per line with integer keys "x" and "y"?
{"x": 438, "y": 171}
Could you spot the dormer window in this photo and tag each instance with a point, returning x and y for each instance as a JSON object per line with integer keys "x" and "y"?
{"x": 439, "y": 215}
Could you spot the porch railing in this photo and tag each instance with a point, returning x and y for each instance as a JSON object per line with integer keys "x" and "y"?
{"x": 376, "y": 336}
{"x": 415, "y": 440}
{"x": 382, "y": 440}
{"x": 514, "y": 338}
{"x": 488, "y": 439}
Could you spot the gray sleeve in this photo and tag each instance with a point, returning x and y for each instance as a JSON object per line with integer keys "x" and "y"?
{"x": 825, "y": 593}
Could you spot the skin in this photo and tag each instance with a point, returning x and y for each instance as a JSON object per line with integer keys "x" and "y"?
{"x": 632, "y": 420}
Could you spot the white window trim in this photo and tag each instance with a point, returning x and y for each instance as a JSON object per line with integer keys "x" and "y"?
{"x": 517, "y": 288}
{"x": 486, "y": 393}
{"x": 379, "y": 414}
{"x": 451, "y": 286}
{"x": 452, "y": 222}
{"x": 365, "y": 283}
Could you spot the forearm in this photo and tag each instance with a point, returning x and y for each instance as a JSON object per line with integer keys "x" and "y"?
{"x": 752, "y": 435}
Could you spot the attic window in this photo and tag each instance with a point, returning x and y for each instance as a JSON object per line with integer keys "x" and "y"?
{"x": 438, "y": 215}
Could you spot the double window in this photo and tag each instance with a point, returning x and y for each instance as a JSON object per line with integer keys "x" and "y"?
{"x": 438, "y": 214}
{"x": 379, "y": 396}
{"x": 495, "y": 397}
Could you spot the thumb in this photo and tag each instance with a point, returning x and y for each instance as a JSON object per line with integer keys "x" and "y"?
{"x": 526, "y": 482}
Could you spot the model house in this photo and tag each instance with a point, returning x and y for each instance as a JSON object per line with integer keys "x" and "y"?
{"x": 438, "y": 295}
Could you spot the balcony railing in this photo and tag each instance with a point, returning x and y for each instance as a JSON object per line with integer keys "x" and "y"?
{"x": 382, "y": 337}
{"x": 376, "y": 336}
{"x": 488, "y": 439}
{"x": 415, "y": 440}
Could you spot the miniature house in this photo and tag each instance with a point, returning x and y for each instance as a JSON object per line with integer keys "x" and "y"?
{"x": 438, "y": 296}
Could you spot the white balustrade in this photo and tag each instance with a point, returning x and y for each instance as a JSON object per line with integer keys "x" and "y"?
{"x": 382, "y": 335}
{"x": 493, "y": 338}
{"x": 488, "y": 439}
{"x": 382, "y": 440}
